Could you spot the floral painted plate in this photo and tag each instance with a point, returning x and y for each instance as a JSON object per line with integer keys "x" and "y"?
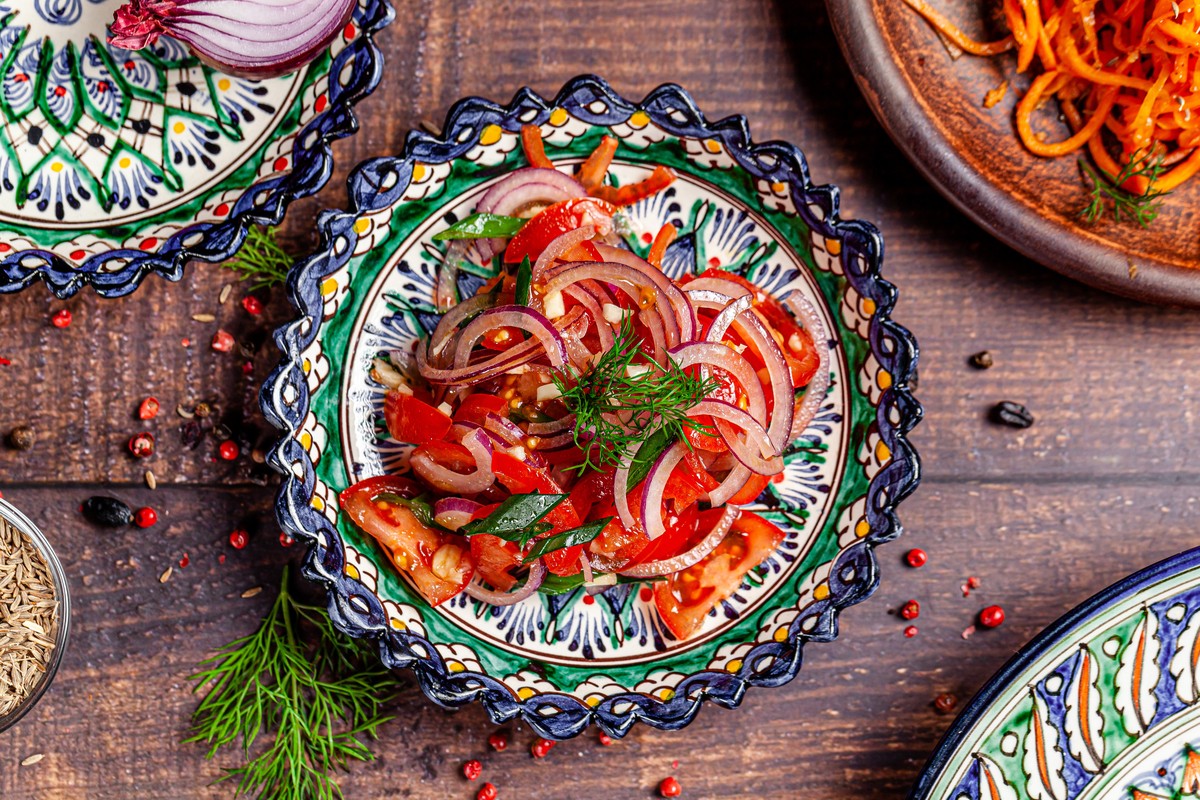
{"x": 117, "y": 164}
{"x": 1102, "y": 705}
{"x": 563, "y": 662}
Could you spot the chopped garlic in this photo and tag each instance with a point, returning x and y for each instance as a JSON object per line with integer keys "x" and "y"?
{"x": 613, "y": 313}
{"x": 634, "y": 370}
{"x": 548, "y": 391}
{"x": 446, "y": 409}
{"x": 608, "y": 579}
{"x": 554, "y": 305}
{"x": 518, "y": 452}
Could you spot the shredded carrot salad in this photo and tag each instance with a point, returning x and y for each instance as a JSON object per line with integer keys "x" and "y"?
{"x": 1126, "y": 74}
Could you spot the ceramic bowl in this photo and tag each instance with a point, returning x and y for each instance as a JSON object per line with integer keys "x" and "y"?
{"x": 1105, "y": 703}
{"x": 563, "y": 662}
{"x": 62, "y": 592}
{"x": 115, "y": 164}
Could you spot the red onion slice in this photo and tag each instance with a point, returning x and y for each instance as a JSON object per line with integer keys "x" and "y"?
{"x": 814, "y": 395}
{"x": 711, "y": 354}
{"x": 560, "y": 246}
{"x": 630, "y": 281}
{"x": 684, "y": 322}
{"x": 652, "y": 493}
{"x": 510, "y": 194}
{"x": 447, "y": 480}
{"x": 723, "y": 320}
{"x": 755, "y": 450}
{"x": 454, "y": 512}
{"x": 734, "y": 482}
{"x": 506, "y": 429}
{"x": 585, "y": 299}
{"x": 670, "y": 566}
{"x": 522, "y": 317}
{"x": 537, "y": 573}
{"x": 253, "y": 38}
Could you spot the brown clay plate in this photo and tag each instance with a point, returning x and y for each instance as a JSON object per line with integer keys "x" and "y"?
{"x": 932, "y": 106}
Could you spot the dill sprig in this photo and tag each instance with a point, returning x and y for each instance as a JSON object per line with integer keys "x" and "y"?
{"x": 617, "y": 408}
{"x": 261, "y": 258}
{"x": 305, "y": 689}
{"x": 1109, "y": 194}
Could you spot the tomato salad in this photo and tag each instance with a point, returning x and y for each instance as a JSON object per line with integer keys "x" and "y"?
{"x": 584, "y": 420}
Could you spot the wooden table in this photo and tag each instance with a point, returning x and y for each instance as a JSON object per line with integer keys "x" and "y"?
{"x": 1103, "y": 484}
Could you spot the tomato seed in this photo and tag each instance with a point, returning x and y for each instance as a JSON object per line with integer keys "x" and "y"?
{"x": 991, "y": 617}
{"x": 487, "y": 792}
{"x": 239, "y": 539}
{"x": 910, "y": 610}
{"x": 670, "y": 787}
{"x": 916, "y": 557}
{"x": 62, "y": 318}
{"x": 910, "y": 631}
{"x": 148, "y": 408}
{"x": 145, "y": 517}
{"x": 472, "y": 769}
{"x": 498, "y": 741}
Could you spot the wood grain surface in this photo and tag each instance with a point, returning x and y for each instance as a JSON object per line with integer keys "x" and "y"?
{"x": 1103, "y": 484}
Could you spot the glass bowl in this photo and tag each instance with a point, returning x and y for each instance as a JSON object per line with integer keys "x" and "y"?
{"x": 62, "y": 594}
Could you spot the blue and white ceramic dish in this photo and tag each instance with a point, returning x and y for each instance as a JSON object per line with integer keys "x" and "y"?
{"x": 563, "y": 662}
{"x": 1102, "y": 705}
{"x": 117, "y": 164}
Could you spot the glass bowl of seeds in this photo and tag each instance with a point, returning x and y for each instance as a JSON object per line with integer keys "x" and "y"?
{"x": 35, "y": 615}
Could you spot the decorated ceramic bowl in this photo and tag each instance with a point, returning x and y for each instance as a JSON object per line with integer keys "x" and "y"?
{"x": 117, "y": 164}
{"x": 1102, "y": 705}
{"x": 562, "y": 662}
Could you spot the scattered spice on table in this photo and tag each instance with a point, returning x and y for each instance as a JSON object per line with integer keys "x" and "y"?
{"x": 141, "y": 445}
{"x": 991, "y": 617}
{"x": 229, "y": 450}
{"x": 910, "y": 631}
{"x": 108, "y": 512}
{"x": 28, "y": 618}
{"x": 1011, "y": 414}
{"x": 982, "y": 360}
{"x": 252, "y": 305}
{"x": 148, "y": 408}
{"x": 916, "y": 558}
{"x": 22, "y": 438}
{"x": 669, "y": 787}
{"x": 183, "y": 562}
{"x": 605, "y": 739}
{"x": 541, "y": 748}
{"x": 226, "y": 290}
{"x": 151, "y": 480}
{"x": 910, "y": 610}
{"x": 166, "y": 575}
{"x": 472, "y": 769}
{"x": 968, "y": 632}
{"x": 4, "y": 362}
{"x": 222, "y": 341}
{"x": 498, "y": 741}
{"x": 254, "y": 592}
{"x": 972, "y": 582}
{"x": 29, "y": 761}
{"x": 304, "y": 695}
{"x": 61, "y": 318}
{"x": 238, "y": 539}
{"x": 203, "y": 318}
{"x": 487, "y": 792}
{"x": 944, "y": 703}
{"x": 145, "y": 517}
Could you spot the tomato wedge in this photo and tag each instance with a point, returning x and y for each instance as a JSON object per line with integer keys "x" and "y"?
{"x": 750, "y": 491}
{"x": 477, "y": 406}
{"x": 684, "y": 599}
{"x": 411, "y": 420}
{"x": 550, "y": 223}
{"x": 438, "y": 564}
{"x": 494, "y": 557}
{"x": 520, "y": 478}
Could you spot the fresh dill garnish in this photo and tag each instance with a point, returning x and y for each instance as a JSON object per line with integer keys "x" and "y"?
{"x": 301, "y": 686}
{"x": 1109, "y": 194}
{"x": 626, "y": 398}
{"x": 261, "y": 259}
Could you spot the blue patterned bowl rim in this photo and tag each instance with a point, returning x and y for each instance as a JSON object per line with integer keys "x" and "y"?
{"x": 1051, "y": 637}
{"x": 312, "y": 164}
{"x": 559, "y": 716}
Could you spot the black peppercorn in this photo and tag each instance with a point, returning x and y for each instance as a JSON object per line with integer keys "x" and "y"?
{"x": 107, "y": 511}
{"x": 21, "y": 437}
{"x": 1012, "y": 414}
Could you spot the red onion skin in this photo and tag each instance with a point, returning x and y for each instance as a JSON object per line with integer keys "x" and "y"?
{"x": 814, "y": 395}
{"x": 248, "y": 49}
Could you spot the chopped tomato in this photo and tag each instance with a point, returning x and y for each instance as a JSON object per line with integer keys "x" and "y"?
{"x": 438, "y": 564}
{"x": 550, "y": 223}
{"x": 494, "y": 559}
{"x": 520, "y": 478}
{"x": 596, "y": 487}
{"x": 679, "y": 534}
{"x": 502, "y": 338}
{"x": 450, "y": 455}
{"x": 750, "y": 491}
{"x": 411, "y": 420}
{"x": 684, "y": 599}
{"x": 476, "y": 407}
{"x": 728, "y": 391}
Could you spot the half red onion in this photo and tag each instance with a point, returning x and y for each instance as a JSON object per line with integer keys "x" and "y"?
{"x": 447, "y": 480}
{"x": 537, "y": 574}
{"x": 684, "y": 560}
{"x": 252, "y": 38}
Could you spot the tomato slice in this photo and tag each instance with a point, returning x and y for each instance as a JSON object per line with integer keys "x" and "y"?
{"x": 476, "y": 407}
{"x": 438, "y": 564}
{"x": 550, "y": 223}
{"x": 494, "y": 558}
{"x": 680, "y": 533}
{"x": 750, "y": 491}
{"x": 684, "y": 599}
{"x": 521, "y": 478}
{"x": 728, "y": 391}
{"x": 411, "y": 420}
{"x": 451, "y": 455}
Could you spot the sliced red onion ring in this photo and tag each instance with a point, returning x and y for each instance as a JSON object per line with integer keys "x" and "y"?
{"x": 447, "y": 480}
{"x": 506, "y": 429}
{"x": 445, "y": 293}
{"x": 522, "y": 317}
{"x": 480, "y": 371}
{"x": 652, "y": 493}
{"x": 723, "y": 320}
{"x": 586, "y": 567}
{"x": 726, "y": 286}
{"x": 448, "y": 325}
{"x": 545, "y": 428}
{"x": 669, "y": 566}
{"x": 685, "y": 320}
{"x": 783, "y": 391}
{"x": 585, "y": 299}
{"x": 537, "y": 573}
{"x": 711, "y": 354}
{"x": 252, "y": 38}
{"x": 754, "y": 447}
{"x": 632, "y": 282}
{"x": 734, "y": 482}
{"x": 814, "y": 394}
{"x": 509, "y": 195}
{"x": 454, "y": 512}
{"x": 560, "y": 246}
